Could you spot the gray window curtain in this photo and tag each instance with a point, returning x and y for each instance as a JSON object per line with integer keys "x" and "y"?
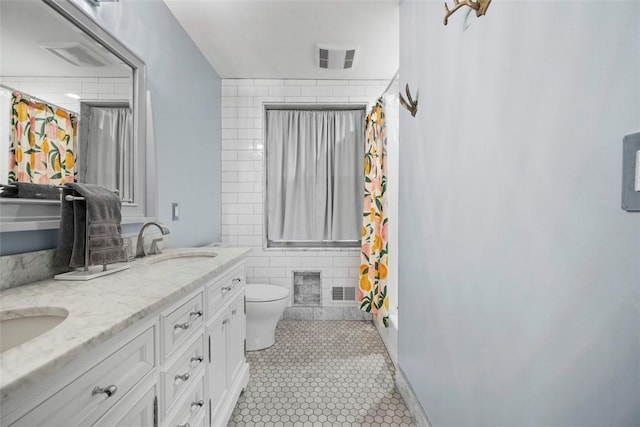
{"x": 109, "y": 152}
{"x": 314, "y": 175}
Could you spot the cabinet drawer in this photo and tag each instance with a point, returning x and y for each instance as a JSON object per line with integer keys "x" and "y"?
{"x": 177, "y": 325}
{"x": 219, "y": 291}
{"x": 201, "y": 421}
{"x": 182, "y": 373}
{"x": 190, "y": 410}
{"x": 136, "y": 410}
{"x": 92, "y": 394}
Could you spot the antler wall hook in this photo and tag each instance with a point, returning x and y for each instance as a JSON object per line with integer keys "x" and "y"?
{"x": 412, "y": 105}
{"x": 479, "y": 6}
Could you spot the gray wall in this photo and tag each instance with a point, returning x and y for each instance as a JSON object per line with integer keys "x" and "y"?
{"x": 519, "y": 272}
{"x": 185, "y": 95}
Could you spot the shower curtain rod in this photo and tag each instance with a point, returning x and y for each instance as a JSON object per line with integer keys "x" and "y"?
{"x": 35, "y": 98}
{"x": 393, "y": 79}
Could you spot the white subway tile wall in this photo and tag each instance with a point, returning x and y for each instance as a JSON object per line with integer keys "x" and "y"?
{"x": 243, "y": 178}
{"x": 54, "y": 89}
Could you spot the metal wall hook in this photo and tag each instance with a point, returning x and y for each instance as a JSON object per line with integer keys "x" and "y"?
{"x": 411, "y": 106}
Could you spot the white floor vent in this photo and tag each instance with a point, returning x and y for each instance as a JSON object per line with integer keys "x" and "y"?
{"x": 339, "y": 293}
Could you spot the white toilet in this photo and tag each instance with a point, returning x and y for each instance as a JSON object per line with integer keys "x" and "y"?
{"x": 265, "y": 305}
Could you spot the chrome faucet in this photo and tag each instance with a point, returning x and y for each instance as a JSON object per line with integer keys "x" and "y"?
{"x": 154, "y": 249}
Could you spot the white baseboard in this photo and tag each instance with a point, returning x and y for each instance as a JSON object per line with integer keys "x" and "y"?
{"x": 389, "y": 337}
{"x": 234, "y": 394}
{"x": 411, "y": 400}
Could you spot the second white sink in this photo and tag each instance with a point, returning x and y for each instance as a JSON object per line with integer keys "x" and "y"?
{"x": 187, "y": 254}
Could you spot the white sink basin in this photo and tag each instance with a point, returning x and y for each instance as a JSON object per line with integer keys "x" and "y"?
{"x": 186, "y": 256}
{"x": 22, "y": 325}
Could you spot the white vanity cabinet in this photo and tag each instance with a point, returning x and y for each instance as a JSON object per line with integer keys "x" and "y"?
{"x": 212, "y": 368}
{"x": 217, "y": 364}
{"x": 182, "y": 366}
{"x": 100, "y": 389}
{"x": 137, "y": 410}
{"x": 227, "y": 370}
{"x": 236, "y": 339}
{"x": 182, "y": 371}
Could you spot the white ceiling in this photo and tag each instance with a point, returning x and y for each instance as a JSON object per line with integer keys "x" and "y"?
{"x": 276, "y": 39}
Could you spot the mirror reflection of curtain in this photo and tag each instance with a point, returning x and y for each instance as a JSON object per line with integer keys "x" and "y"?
{"x": 109, "y": 163}
{"x": 5, "y": 134}
{"x": 43, "y": 142}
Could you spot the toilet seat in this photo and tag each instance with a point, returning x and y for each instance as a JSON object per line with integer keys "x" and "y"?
{"x": 265, "y": 293}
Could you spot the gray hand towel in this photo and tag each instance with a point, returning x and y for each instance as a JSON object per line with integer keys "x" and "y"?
{"x": 104, "y": 240}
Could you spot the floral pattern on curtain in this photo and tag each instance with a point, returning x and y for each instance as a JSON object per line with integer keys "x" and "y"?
{"x": 374, "y": 258}
{"x": 43, "y": 142}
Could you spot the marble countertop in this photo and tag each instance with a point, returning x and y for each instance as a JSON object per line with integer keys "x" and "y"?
{"x": 101, "y": 308}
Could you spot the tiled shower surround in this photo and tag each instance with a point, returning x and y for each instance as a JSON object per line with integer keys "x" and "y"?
{"x": 54, "y": 89}
{"x": 243, "y": 185}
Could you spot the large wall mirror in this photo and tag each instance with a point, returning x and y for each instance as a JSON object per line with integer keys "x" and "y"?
{"x": 72, "y": 108}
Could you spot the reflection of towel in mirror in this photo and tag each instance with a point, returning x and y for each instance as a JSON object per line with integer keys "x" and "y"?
{"x": 27, "y": 190}
{"x": 104, "y": 240}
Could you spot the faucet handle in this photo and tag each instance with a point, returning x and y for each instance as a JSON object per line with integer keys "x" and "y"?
{"x": 154, "y": 249}
{"x": 127, "y": 256}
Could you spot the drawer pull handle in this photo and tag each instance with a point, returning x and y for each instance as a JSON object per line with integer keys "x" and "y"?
{"x": 225, "y": 321}
{"x": 226, "y": 288}
{"x": 195, "y": 314}
{"x": 184, "y": 326}
{"x": 234, "y": 311}
{"x": 198, "y": 359}
{"x": 183, "y": 377}
{"x": 199, "y": 403}
{"x": 109, "y": 390}
{"x": 236, "y": 280}
{"x": 184, "y": 425}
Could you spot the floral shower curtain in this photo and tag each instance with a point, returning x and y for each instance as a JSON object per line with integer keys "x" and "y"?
{"x": 43, "y": 142}
{"x": 374, "y": 258}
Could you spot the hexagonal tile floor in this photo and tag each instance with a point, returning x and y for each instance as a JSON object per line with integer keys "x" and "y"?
{"x": 322, "y": 373}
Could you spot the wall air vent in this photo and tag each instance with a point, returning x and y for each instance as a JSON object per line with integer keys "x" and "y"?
{"x": 340, "y": 293}
{"x": 335, "y": 57}
{"x": 76, "y": 54}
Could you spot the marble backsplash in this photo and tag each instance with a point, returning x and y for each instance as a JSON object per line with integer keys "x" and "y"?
{"x": 22, "y": 269}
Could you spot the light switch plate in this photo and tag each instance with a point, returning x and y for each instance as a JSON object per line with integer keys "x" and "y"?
{"x": 175, "y": 211}
{"x": 630, "y": 172}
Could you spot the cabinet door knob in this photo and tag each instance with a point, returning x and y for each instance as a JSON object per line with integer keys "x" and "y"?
{"x": 183, "y": 377}
{"x": 225, "y": 321}
{"x": 226, "y": 288}
{"x": 184, "y": 325}
{"x": 236, "y": 280}
{"x": 199, "y": 403}
{"x": 109, "y": 390}
{"x": 195, "y": 314}
{"x": 234, "y": 311}
{"x": 198, "y": 359}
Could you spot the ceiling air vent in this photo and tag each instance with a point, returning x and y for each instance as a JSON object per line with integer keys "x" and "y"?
{"x": 76, "y": 53}
{"x": 335, "y": 57}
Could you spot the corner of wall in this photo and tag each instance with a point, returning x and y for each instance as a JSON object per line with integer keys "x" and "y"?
{"x": 411, "y": 400}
